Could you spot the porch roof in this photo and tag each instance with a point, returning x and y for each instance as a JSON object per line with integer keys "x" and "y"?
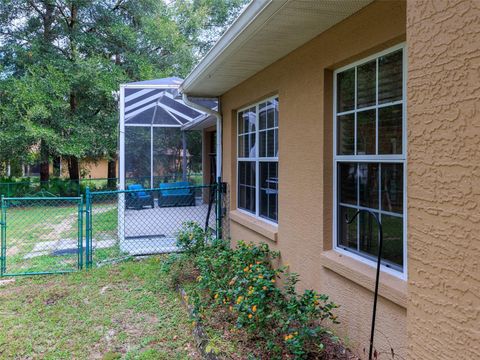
{"x": 265, "y": 31}
{"x": 158, "y": 103}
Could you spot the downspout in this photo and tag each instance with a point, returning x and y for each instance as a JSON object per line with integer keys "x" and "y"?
{"x": 218, "y": 116}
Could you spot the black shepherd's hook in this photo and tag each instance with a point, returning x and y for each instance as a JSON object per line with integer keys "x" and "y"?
{"x": 380, "y": 242}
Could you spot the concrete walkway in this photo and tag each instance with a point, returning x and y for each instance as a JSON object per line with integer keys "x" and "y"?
{"x": 154, "y": 231}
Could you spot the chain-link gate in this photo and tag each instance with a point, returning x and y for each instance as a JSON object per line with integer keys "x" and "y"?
{"x": 139, "y": 221}
{"x": 41, "y": 235}
{"x": 44, "y": 235}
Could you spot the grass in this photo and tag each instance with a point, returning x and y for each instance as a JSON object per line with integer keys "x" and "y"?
{"x": 29, "y": 226}
{"x": 125, "y": 311}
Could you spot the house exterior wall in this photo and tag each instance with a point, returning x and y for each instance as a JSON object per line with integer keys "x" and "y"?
{"x": 303, "y": 82}
{"x": 95, "y": 169}
{"x": 443, "y": 179}
{"x": 90, "y": 168}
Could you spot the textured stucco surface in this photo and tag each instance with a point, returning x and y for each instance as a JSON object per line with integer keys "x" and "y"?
{"x": 444, "y": 179}
{"x": 304, "y": 84}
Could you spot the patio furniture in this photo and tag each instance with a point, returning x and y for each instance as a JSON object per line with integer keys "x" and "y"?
{"x": 176, "y": 194}
{"x": 139, "y": 198}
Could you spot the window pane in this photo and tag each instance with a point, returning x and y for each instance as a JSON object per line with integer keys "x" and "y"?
{"x": 250, "y": 119}
{"x": 346, "y": 134}
{"x": 241, "y": 172}
{"x": 251, "y": 146}
{"x": 271, "y": 114}
{"x": 262, "y": 116}
{"x": 347, "y": 233}
{"x": 251, "y": 179}
{"x": 241, "y": 123}
{"x": 276, "y": 142}
{"x": 390, "y": 77}
{"x": 366, "y": 84}
{"x": 241, "y": 197}
{"x": 246, "y": 185}
{"x": 368, "y": 234}
{"x": 345, "y": 90}
{"x": 263, "y": 143}
{"x": 390, "y": 130}
{"x": 392, "y": 249}
{"x": 271, "y": 143}
{"x": 392, "y": 187}
{"x": 275, "y": 101}
{"x": 368, "y": 177}
{"x": 366, "y": 130}
{"x": 250, "y": 204}
{"x": 347, "y": 179}
{"x": 269, "y": 190}
{"x": 246, "y": 121}
{"x": 241, "y": 146}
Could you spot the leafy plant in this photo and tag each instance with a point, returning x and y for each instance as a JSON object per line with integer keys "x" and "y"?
{"x": 243, "y": 281}
{"x": 192, "y": 238}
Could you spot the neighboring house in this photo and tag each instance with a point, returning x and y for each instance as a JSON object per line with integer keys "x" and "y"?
{"x": 332, "y": 106}
{"x": 89, "y": 169}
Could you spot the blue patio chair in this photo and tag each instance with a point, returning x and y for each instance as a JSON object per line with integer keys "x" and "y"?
{"x": 139, "y": 198}
{"x": 176, "y": 194}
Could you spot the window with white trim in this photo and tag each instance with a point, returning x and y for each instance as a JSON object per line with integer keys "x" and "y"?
{"x": 258, "y": 159}
{"x": 370, "y": 157}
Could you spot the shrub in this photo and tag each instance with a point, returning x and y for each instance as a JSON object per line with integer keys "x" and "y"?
{"x": 192, "y": 238}
{"x": 180, "y": 270}
{"x": 244, "y": 281}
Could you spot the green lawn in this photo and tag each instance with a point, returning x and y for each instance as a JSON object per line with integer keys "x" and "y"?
{"x": 125, "y": 311}
{"x": 30, "y": 226}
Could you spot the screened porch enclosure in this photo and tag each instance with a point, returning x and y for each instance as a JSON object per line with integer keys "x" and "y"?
{"x": 155, "y": 148}
{"x": 160, "y": 167}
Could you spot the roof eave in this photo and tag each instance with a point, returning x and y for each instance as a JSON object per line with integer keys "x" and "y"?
{"x": 253, "y": 16}
{"x": 225, "y": 67}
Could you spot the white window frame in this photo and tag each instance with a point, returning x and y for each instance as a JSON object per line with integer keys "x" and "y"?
{"x": 397, "y": 158}
{"x": 257, "y": 160}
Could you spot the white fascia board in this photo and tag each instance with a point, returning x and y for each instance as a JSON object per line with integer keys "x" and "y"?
{"x": 148, "y": 86}
{"x": 250, "y": 20}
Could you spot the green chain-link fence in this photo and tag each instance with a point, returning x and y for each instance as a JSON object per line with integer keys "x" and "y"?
{"x": 41, "y": 235}
{"x": 145, "y": 221}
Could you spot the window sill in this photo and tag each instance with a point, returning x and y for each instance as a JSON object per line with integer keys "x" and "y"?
{"x": 391, "y": 287}
{"x": 267, "y": 230}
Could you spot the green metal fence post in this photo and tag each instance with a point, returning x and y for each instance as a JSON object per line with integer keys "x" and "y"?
{"x": 80, "y": 233}
{"x": 87, "y": 227}
{"x": 3, "y": 247}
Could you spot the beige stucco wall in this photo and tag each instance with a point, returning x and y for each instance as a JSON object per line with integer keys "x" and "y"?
{"x": 444, "y": 179}
{"x": 303, "y": 82}
{"x": 93, "y": 169}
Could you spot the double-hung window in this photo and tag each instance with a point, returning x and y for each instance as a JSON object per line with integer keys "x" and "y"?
{"x": 370, "y": 158}
{"x": 258, "y": 159}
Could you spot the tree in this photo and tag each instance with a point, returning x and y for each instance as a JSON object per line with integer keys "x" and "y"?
{"x": 204, "y": 21}
{"x": 61, "y": 61}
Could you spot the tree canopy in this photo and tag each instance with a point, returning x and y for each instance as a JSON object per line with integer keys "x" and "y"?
{"x": 61, "y": 62}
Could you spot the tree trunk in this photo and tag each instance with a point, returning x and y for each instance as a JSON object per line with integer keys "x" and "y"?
{"x": 73, "y": 168}
{"x": 44, "y": 162}
{"x": 112, "y": 174}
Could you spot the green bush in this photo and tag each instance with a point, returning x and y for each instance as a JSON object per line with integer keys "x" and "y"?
{"x": 192, "y": 238}
{"x": 19, "y": 187}
{"x": 244, "y": 281}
